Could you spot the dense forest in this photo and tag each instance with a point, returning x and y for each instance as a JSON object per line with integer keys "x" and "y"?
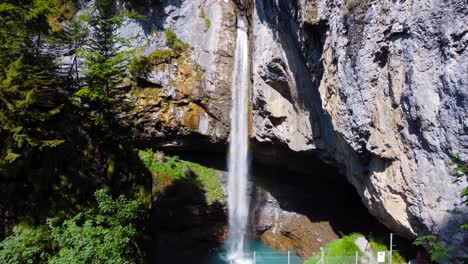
{"x": 73, "y": 186}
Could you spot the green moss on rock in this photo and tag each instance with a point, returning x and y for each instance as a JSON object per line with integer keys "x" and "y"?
{"x": 177, "y": 45}
{"x": 161, "y": 56}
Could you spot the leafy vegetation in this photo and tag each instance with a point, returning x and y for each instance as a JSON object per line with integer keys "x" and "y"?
{"x": 28, "y": 87}
{"x": 26, "y": 245}
{"x": 177, "y": 45}
{"x": 377, "y": 245}
{"x": 102, "y": 60}
{"x": 60, "y": 11}
{"x": 140, "y": 65}
{"x": 59, "y": 137}
{"x": 460, "y": 171}
{"x": 439, "y": 252}
{"x": 202, "y": 12}
{"x": 160, "y": 56}
{"x": 345, "y": 246}
{"x": 207, "y": 24}
{"x": 172, "y": 168}
{"x": 207, "y": 20}
{"x": 106, "y": 234}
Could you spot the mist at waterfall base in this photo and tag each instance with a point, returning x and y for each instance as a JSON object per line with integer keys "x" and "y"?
{"x": 264, "y": 254}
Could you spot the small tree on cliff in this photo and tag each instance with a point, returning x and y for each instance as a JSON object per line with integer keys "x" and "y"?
{"x": 103, "y": 60}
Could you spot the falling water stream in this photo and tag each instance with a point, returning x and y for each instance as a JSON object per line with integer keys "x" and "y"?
{"x": 238, "y": 197}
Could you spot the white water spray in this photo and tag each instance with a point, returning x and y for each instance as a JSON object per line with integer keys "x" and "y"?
{"x": 238, "y": 197}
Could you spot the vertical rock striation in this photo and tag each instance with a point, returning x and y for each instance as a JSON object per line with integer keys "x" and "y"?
{"x": 377, "y": 87}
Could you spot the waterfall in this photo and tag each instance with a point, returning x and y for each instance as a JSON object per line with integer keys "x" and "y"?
{"x": 238, "y": 197}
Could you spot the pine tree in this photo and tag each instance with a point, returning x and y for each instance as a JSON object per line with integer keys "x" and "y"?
{"x": 28, "y": 92}
{"x": 103, "y": 60}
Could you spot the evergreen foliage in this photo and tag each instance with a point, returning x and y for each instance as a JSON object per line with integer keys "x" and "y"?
{"x": 59, "y": 139}
{"x": 103, "y": 60}
{"x": 28, "y": 90}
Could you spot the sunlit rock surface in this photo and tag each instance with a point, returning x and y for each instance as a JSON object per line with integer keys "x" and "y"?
{"x": 377, "y": 88}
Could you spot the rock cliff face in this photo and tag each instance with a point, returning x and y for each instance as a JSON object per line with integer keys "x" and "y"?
{"x": 184, "y": 99}
{"x": 377, "y": 88}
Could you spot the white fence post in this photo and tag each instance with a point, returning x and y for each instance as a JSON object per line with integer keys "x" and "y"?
{"x": 255, "y": 257}
{"x": 357, "y": 257}
{"x": 391, "y": 249}
{"x": 289, "y": 257}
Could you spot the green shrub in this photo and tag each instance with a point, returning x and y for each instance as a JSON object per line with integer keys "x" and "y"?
{"x": 26, "y": 245}
{"x": 159, "y": 56}
{"x": 344, "y": 246}
{"x": 396, "y": 256}
{"x": 177, "y": 45}
{"x": 139, "y": 65}
{"x": 106, "y": 234}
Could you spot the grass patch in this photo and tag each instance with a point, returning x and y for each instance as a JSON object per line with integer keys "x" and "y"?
{"x": 379, "y": 246}
{"x": 177, "y": 45}
{"x": 207, "y": 20}
{"x": 139, "y": 65}
{"x": 151, "y": 92}
{"x": 160, "y": 56}
{"x": 202, "y": 12}
{"x": 341, "y": 247}
{"x": 207, "y": 24}
{"x": 346, "y": 247}
{"x": 167, "y": 169}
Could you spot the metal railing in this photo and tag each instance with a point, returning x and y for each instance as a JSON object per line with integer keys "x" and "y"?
{"x": 260, "y": 257}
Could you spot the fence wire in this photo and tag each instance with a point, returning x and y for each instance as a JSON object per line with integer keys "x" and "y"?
{"x": 320, "y": 258}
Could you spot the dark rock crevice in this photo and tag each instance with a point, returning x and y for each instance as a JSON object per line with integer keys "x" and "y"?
{"x": 304, "y": 211}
